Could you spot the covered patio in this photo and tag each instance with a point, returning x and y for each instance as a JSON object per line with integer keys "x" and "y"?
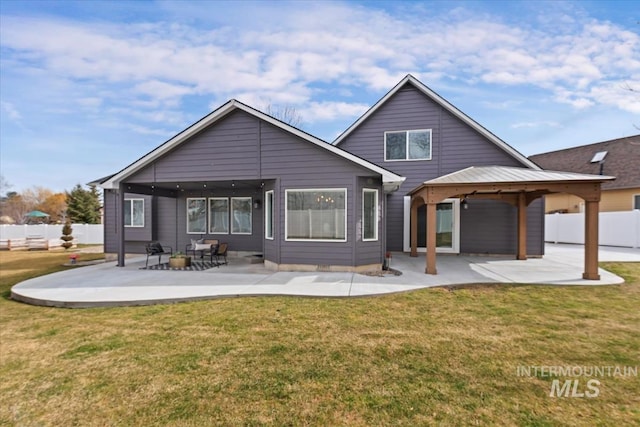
{"x": 516, "y": 186}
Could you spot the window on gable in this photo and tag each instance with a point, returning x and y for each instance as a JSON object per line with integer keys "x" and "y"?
{"x": 134, "y": 213}
{"x": 407, "y": 145}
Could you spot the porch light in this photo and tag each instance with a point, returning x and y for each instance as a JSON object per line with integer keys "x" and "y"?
{"x": 464, "y": 203}
{"x": 256, "y": 204}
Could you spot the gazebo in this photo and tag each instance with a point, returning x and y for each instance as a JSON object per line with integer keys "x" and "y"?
{"x": 516, "y": 186}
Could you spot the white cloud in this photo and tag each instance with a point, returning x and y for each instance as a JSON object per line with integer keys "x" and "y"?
{"x": 11, "y": 111}
{"x": 326, "y": 111}
{"x": 155, "y": 65}
{"x": 543, "y": 124}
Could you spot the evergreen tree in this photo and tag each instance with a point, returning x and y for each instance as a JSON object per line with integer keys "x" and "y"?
{"x": 66, "y": 235}
{"x": 83, "y": 206}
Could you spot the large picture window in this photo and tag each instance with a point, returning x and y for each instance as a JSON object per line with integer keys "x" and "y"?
{"x": 218, "y": 215}
{"x": 241, "y": 215}
{"x": 316, "y": 215}
{"x": 134, "y": 213}
{"x": 369, "y": 214}
{"x": 407, "y": 145}
{"x": 197, "y": 216}
{"x": 268, "y": 214}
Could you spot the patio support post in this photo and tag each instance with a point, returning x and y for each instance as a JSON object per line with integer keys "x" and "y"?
{"x": 522, "y": 226}
{"x": 591, "y": 240}
{"x": 431, "y": 239}
{"x": 414, "y": 228}
{"x": 120, "y": 225}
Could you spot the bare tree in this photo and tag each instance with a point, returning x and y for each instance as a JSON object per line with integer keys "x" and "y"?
{"x": 286, "y": 113}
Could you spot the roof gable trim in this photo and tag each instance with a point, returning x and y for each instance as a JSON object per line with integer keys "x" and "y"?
{"x": 447, "y": 106}
{"x": 390, "y": 179}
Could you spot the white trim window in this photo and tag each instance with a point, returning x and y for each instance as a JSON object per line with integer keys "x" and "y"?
{"x": 196, "y": 215}
{"x": 636, "y": 201}
{"x": 218, "y": 215}
{"x": 268, "y": 215}
{"x": 407, "y": 145}
{"x": 134, "y": 212}
{"x": 369, "y": 215}
{"x": 241, "y": 217}
{"x": 316, "y": 214}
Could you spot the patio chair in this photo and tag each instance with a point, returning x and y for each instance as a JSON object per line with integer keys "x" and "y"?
{"x": 155, "y": 248}
{"x": 205, "y": 247}
{"x": 222, "y": 253}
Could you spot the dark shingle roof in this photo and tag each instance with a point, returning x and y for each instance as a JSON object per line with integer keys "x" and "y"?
{"x": 622, "y": 161}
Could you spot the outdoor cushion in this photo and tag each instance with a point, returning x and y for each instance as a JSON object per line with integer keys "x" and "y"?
{"x": 201, "y": 247}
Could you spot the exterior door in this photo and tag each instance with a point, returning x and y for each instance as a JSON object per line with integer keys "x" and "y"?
{"x": 447, "y": 223}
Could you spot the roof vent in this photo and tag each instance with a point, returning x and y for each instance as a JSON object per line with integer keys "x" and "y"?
{"x": 599, "y": 157}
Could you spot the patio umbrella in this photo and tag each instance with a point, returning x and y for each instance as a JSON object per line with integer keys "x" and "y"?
{"x": 36, "y": 214}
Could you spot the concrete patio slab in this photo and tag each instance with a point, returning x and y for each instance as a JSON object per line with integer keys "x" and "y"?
{"x": 108, "y": 285}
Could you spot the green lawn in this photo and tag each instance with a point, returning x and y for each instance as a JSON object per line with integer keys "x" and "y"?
{"x": 434, "y": 356}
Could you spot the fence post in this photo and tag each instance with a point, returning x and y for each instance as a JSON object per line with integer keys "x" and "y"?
{"x": 636, "y": 214}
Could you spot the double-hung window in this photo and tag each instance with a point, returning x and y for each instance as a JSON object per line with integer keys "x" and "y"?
{"x": 407, "y": 145}
{"x": 241, "y": 215}
{"x": 218, "y": 215}
{"x": 316, "y": 214}
{"x": 134, "y": 213}
{"x": 369, "y": 214}
{"x": 196, "y": 215}
{"x": 268, "y": 215}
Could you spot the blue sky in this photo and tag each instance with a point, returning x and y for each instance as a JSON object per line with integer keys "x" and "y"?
{"x": 88, "y": 87}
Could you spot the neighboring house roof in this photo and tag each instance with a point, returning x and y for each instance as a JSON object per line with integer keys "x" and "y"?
{"x": 390, "y": 180}
{"x": 409, "y": 79}
{"x": 622, "y": 161}
{"x": 510, "y": 175}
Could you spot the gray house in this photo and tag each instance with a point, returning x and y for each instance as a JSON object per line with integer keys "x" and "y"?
{"x": 243, "y": 177}
{"x": 419, "y": 135}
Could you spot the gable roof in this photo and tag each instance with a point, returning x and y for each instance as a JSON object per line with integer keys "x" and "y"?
{"x": 511, "y": 175}
{"x": 390, "y": 180}
{"x": 500, "y": 179}
{"x": 409, "y": 79}
{"x": 622, "y": 160}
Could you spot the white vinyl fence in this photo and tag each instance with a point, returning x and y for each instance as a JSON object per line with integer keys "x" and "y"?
{"x": 84, "y": 234}
{"x": 616, "y": 228}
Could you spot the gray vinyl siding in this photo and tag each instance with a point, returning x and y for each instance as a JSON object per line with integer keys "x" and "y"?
{"x": 369, "y": 252}
{"x": 227, "y": 150}
{"x": 490, "y": 227}
{"x": 135, "y": 237}
{"x": 241, "y": 147}
{"x": 300, "y": 165}
{"x": 455, "y": 146}
{"x": 272, "y": 246}
{"x": 166, "y": 209}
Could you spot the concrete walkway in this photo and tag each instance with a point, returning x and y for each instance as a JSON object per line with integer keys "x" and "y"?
{"x": 107, "y": 285}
